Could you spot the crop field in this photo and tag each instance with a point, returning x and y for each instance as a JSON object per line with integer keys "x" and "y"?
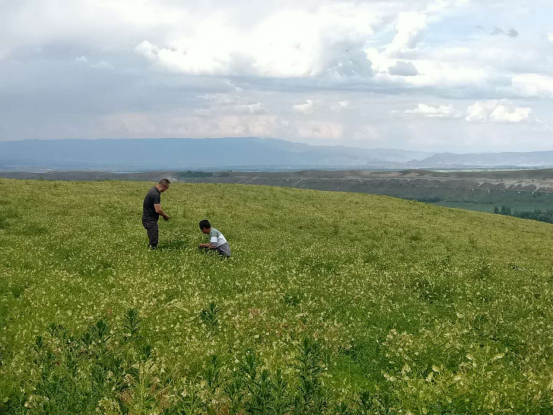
{"x": 333, "y": 303}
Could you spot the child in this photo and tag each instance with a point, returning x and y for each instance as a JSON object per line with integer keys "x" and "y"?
{"x": 217, "y": 240}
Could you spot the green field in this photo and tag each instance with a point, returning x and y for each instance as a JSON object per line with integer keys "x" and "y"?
{"x": 333, "y": 303}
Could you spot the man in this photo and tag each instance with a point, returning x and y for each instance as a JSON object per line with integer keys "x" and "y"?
{"x": 216, "y": 239}
{"x": 152, "y": 211}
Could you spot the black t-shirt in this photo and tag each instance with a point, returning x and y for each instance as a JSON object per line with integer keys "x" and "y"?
{"x": 152, "y": 198}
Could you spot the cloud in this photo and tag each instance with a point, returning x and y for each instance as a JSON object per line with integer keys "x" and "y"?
{"x": 511, "y": 32}
{"x": 97, "y": 65}
{"x": 531, "y": 86}
{"x": 145, "y": 125}
{"x": 340, "y": 106}
{"x": 402, "y": 68}
{"x": 321, "y": 130}
{"x": 219, "y": 98}
{"x": 440, "y": 111}
{"x": 162, "y": 68}
{"x": 102, "y": 65}
{"x": 368, "y": 133}
{"x": 222, "y": 104}
{"x": 307, "y": 108}
{"x": 325, "y": 42}
{"x": 257, "y": 108}
{"x": 497, "y": 111}
{"x": 409, "y": 27}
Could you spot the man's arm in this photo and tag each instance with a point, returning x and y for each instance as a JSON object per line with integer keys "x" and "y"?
{"x": 160, "y": 211}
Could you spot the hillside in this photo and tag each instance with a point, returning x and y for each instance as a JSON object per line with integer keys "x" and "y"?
{"x": 332, "y": 303}
{"x": 480, "y": 190}
{"x": 534, "y": 159}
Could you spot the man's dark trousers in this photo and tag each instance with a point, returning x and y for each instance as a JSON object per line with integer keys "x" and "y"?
{"x": 153, "y": 231}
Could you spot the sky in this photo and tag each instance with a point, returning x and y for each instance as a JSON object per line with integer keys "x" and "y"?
{"x": 440, "y": 75}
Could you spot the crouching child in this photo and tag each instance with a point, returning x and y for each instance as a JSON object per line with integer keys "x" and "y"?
{"x": 216, "y": 239}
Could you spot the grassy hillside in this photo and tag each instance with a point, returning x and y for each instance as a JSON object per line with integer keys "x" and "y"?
{"x": 480, "y": 191}
{"x": 332, "y": 303}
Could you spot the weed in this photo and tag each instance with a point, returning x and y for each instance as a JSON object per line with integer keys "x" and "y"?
{"x": 132, "y": 323}
{"x": 209, "y": 316}
{"x": 213, "y": 372}
{"x": 293, "y": 299}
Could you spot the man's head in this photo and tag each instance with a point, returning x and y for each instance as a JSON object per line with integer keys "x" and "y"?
{"x": 205, "y": 226}
{"x": 163, "y": 185}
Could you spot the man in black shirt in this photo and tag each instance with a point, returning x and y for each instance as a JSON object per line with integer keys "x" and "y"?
{"x": 152, "y": 211}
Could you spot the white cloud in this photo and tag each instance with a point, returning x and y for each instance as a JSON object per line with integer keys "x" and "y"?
{"x": 440, "y": 111}
{"x": 322, "y": 130}
{"x": 206, "y": 69}
{"x": 409, "y": 26}
{"x": 327, "y": 41}
{"x": 497, "y": 111}
{"x": 257, "y": 108}
{"x": 102, "y": 65}
{"x": 531, "y": 86}
{"x": 145, "y": 125}
{"x": 252, "y": 109}
{"x": 368, "y": 133}
{"x": 97, "y": 65}
{"x": 222, "y": 104}
{"x": 340, "y": 106}
{"x": 307, "y": 108}
{"x": 219, "y": 98}
{"x": 265, "y": 126}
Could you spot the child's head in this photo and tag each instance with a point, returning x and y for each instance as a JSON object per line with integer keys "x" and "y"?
{"x": 205, "y": 226}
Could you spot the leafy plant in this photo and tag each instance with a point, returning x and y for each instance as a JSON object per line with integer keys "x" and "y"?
{"x": 209, "y": 316}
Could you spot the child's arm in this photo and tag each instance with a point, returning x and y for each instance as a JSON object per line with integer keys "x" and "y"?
{"x": 210, "y": 245}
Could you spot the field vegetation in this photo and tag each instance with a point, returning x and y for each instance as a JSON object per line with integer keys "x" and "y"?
{"x": 539, "y": 215}
{"x": 335, "y": 303}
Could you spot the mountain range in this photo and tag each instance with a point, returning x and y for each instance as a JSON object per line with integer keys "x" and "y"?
{"x": 235, "y": 153}
{"x": 221, "y": 153}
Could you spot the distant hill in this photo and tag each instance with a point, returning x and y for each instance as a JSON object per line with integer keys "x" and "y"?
{"x": 223, "y": 153}
{"x": 450, "y": 160}
{"x": 237, "y": 153}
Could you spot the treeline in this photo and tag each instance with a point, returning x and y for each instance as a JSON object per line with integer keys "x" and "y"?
{"x": 201, "y": 174}
{"x": 194, "y": 174}
{"x": 539, "y": 215}
{"x": 432, "y": 199}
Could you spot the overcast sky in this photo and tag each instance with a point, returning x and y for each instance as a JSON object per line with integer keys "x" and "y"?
{"x": 440, "y": 75}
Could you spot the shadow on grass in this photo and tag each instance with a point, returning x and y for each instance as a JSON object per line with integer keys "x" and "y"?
{"x": 173, "y": 245}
